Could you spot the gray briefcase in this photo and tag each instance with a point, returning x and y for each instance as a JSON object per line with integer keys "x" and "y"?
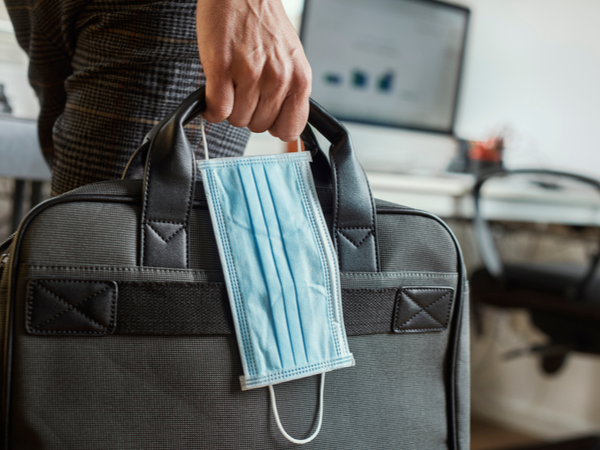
{"x": 117, "y": 332}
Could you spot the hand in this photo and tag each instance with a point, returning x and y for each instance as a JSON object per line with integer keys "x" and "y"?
{"x": 257, "y": 74}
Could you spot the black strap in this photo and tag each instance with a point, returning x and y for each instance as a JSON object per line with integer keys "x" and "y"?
{"x": 91, "y": 308}
{"x": 169, "y": 188}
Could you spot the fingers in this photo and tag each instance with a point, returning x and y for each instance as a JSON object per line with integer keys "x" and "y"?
{"x": 293, "y": 113}
{"x": 273, "y": 101}
{"x": 276, "y": 82}
{"x": 279, "y": 102}
{"x": 247, "y": 95}
{"x": 256, "y": 71}
{"x": 291, "y": 120}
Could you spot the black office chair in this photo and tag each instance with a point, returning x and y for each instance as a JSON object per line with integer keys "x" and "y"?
{"x": 563, "y": 300}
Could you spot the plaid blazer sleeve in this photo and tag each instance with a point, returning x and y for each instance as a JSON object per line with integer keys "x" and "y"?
{"x": 105, "y": 72}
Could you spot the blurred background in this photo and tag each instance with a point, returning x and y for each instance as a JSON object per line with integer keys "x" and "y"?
{"x": 436, "y": 95}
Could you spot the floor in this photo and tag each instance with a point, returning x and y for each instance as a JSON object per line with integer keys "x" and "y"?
{"x": 488, "y": 436}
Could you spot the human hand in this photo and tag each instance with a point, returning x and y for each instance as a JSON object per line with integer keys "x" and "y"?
{"x": 257, "y": 74}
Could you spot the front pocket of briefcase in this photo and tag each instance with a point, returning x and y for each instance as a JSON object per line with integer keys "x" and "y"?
{"x": 167, "y": 375}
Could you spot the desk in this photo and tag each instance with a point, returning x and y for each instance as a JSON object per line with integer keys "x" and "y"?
{"x": 442, "y": 195}
{"x": 449, "y": 196}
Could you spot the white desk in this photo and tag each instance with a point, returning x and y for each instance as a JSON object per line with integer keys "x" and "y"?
{"x": 443, "y": 195}
{"x": 449, "y": 196}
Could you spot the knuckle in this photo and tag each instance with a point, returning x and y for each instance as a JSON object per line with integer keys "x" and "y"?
{"x": 278, "y": 70}
{"x": 279, "y": 90}
{"x": 302, "y": 78}
{"x": 303, "y": 83}
{"x": 252, "y": 74}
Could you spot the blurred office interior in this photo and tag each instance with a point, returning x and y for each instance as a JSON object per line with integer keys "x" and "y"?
{"x": 523, "y": 91}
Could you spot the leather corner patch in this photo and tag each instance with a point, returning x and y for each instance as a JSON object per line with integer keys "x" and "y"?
{"x": 423, "y": 309}
{"x": 71, "y": 307}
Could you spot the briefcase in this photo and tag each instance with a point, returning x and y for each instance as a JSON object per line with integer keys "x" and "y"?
{"x": 117, "y": 330}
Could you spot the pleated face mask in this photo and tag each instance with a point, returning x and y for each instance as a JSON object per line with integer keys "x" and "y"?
{"x": 280, "y": 268}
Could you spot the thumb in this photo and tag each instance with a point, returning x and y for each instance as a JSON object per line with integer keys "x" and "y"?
{"x": 219, "y": 99}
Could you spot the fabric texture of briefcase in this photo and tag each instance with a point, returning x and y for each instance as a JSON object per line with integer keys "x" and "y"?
{"x": 117, "y": 330}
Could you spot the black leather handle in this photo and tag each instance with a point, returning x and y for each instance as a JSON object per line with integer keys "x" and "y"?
{"x": 354, "y": 216}
{"x": 168, "y": 192}
{"x": 169, "y": 189}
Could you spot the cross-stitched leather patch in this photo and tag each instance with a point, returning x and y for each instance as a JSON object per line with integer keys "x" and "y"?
{"x": 71, "y": 307}
{"x": 423, "y": 309}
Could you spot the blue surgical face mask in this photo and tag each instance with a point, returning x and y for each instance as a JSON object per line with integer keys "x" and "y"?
{"x": 280, "y": 268}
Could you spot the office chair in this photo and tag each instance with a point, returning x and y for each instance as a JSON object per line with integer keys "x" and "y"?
{"x": 562, "y": 300}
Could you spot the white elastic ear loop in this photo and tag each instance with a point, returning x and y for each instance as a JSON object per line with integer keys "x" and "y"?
{"x": 204, "y": 141}
{"x": 299, "y": 144}
{"x": 320, "y": 421}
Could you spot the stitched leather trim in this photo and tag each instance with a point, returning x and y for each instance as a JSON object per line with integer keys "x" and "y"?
{"x": 165, "y": 230}
{"x": 356, "y": 235}
{"x": 71, "y": 307}
{"x": 423, "y": 309}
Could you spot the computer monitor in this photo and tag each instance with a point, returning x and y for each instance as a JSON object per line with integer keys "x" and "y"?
{"x": 387, "y": 62}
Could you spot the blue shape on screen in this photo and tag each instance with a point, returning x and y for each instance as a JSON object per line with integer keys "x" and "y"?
{"x": 386, "y": 82}
{"x": 333, "y": 78}
{"x": 360, "y": 79}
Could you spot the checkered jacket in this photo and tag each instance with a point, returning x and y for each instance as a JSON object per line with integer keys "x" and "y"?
{"x": 105, "y": 72}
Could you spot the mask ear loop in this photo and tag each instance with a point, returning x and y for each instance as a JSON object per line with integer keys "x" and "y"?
{"x": 204, "y": 141}
{"x": 320, "y": 421}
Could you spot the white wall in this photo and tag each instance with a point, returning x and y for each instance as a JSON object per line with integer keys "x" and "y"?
{"x": 534, "y": 66}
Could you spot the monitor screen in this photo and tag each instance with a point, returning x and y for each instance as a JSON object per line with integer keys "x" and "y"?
{"x": 386, "y": 62}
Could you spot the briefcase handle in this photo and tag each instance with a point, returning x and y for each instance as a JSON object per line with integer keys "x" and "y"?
{"x": 169, "y": 180}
